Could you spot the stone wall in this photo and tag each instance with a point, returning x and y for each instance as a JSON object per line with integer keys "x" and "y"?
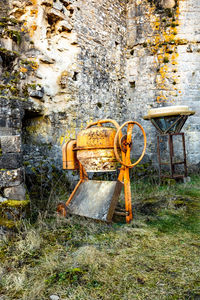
{"x": 12, "y": 189}
{"x": 65, "y": 63}
{"x": 67, "y": 70}
{"x": 82, "y": 77}
{"x": 80, "y": 69}
{"x": 163, "y": 63}
{"x": 13, "y": 195}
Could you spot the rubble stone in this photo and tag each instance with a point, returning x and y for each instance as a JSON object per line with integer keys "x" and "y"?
{"x": 10, "y": 144}
{"x": 37, "y": 92}
{"x": 11, "y": 177}
{"x": 15, "y": 192}
{"x": 11, "y": 161}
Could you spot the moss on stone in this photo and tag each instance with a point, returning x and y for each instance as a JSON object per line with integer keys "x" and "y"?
{"x": 14, "y": 203}
{"x": 8, "y": 223}
{"x": 31, "y": 63}
{"x": 8, "y": 52}
{"x": 14, "y": 35}
{"x": 9, "y": 21}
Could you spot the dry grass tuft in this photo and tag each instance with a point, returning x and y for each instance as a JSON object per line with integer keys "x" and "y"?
{"x": 154, "y": 257}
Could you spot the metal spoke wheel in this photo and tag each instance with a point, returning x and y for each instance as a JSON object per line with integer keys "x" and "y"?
{"x": 125, "y": 143}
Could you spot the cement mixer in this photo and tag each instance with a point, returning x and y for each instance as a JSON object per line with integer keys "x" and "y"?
{"x": 100, "y": 148}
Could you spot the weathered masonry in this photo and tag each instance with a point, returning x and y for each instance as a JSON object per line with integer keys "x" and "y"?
{"x": 67, "y": 62}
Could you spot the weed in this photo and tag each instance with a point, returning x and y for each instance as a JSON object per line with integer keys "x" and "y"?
{"x": 71, "y": 275}
{"x": 154, "y": 257}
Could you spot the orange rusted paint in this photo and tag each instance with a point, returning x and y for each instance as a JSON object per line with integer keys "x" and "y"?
{"x": 126, "y": 162}
{"x": 70, "y": 161}
{"x": 127, "y": 187}
{"x": 74, "y": 191}
{"x": 96, "y": 149}
{"x": 100, "y": 122}
{"x": 62, "y": 209}
{"x": 118, "y": 136}
{"x": 83, "y": 177}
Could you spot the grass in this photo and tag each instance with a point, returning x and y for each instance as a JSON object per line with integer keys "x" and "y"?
{"x": 154, "y": 257}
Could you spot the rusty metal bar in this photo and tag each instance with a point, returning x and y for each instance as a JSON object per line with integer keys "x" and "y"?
{"x": 127, "y": 187}
{"x": 74, "y": 191}
{"x": 180, "y": 126}
{"x": 184, "y": 154}
{"x": 159, "y": 158}
{"x": 171, "y": 154}
{"x": 172, "y": 125}
{"x": 157, "y": 127}
{"x": 102, "y": 122}
{"x": 171, "y": 162}
{"x": 83, "y": 177}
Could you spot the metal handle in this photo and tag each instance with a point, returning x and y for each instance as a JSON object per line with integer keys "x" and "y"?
{"x": 99, "y": 122}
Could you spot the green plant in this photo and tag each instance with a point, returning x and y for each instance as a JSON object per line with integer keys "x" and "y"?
{"x": 71, "y": 275}
{"x": 165, "y": 59}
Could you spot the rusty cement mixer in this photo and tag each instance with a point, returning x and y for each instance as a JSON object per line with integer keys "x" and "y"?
{"x": 100, "y": 149}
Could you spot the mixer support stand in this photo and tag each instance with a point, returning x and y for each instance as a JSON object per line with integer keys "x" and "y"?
{"x": 172, "y": 163}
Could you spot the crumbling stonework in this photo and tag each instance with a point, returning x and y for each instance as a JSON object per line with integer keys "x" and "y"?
{"x": 163, "y": 63}
{"x": 11, "y": 161}
{"x": 65, "y": 63}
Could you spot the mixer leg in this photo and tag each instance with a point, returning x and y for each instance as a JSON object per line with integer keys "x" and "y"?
{"x": 124, "y": 176}
{"x": 83, "y": 177}
{"x": 127, "y": 193}
{"x": 74, "y": 191}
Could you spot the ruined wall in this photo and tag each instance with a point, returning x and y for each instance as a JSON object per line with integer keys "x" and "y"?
{"x": 163, "y": 63}
{"x": 65, "y": 63}
{"x": 68, "y": 66}
{"x": 81, "y": 69}
{"x": 13, "y": 195}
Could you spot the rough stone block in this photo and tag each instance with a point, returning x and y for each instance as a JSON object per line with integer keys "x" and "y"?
{"x": 15, "y": 192}
{"x": 11, "y": 144}
{"x": 64, "y": 26}
{"x": 47, "y": 2}
{"x": 4, "y": 131}
{"x": 46, "y": 59}
{"x": 57, "y": 5}
{"x": 37, "y": 92}
{"x": 2, "y": 121}
{"x": 11, "y": 177}
{"x": 10, "y": 161}
{"x": 56, "y": 14}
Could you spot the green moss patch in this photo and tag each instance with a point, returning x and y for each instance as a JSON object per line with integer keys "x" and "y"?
{"x": 14, "y": 203}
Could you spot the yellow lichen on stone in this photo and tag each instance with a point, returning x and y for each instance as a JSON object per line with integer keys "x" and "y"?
{"x": 69, "y": 134}
{"x": 14, "y": 203}
{"x": 162, "y": 45}
{"x": 23, "y": 70}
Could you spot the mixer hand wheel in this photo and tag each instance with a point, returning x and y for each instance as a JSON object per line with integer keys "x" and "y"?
{"x": 126, "y": 162}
